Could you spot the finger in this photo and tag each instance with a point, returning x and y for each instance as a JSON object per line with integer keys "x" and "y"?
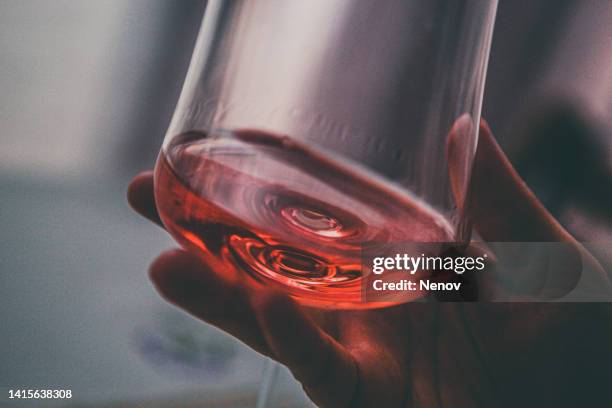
{"x": 141, "y": 198}
{"x": 503, "y": 209}
{"x": 499, "y": 202}
{"x": 326, "y": 369}
{"x": 183, "y": 280}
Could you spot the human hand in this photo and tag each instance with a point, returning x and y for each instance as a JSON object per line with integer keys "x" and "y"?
{"x": 416, "y": 354}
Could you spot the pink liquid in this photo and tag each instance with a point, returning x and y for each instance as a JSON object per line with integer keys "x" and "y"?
{"x": 268, "y": 210}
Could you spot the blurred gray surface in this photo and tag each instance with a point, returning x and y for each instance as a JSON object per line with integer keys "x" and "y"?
{"x": 78, "y": 310}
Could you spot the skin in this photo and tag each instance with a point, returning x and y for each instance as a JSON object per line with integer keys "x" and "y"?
{"x": 422, "y": 354}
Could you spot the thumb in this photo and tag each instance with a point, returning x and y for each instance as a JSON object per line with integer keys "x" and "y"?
{"x": 497, "y": 200}
{"x": 503, "y": 209}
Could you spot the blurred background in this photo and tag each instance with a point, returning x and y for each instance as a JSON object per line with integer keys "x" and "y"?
{"x": 87, "y": 89}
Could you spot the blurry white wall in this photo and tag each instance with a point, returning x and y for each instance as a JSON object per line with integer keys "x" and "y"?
{"x": 55, "y": 71}
{"x": 75, "y": 75}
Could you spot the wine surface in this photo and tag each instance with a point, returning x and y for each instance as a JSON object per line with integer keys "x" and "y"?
{"x": 268, "y": 209}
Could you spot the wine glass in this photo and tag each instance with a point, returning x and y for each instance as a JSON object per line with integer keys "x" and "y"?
{"x": 308, "y": 129}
